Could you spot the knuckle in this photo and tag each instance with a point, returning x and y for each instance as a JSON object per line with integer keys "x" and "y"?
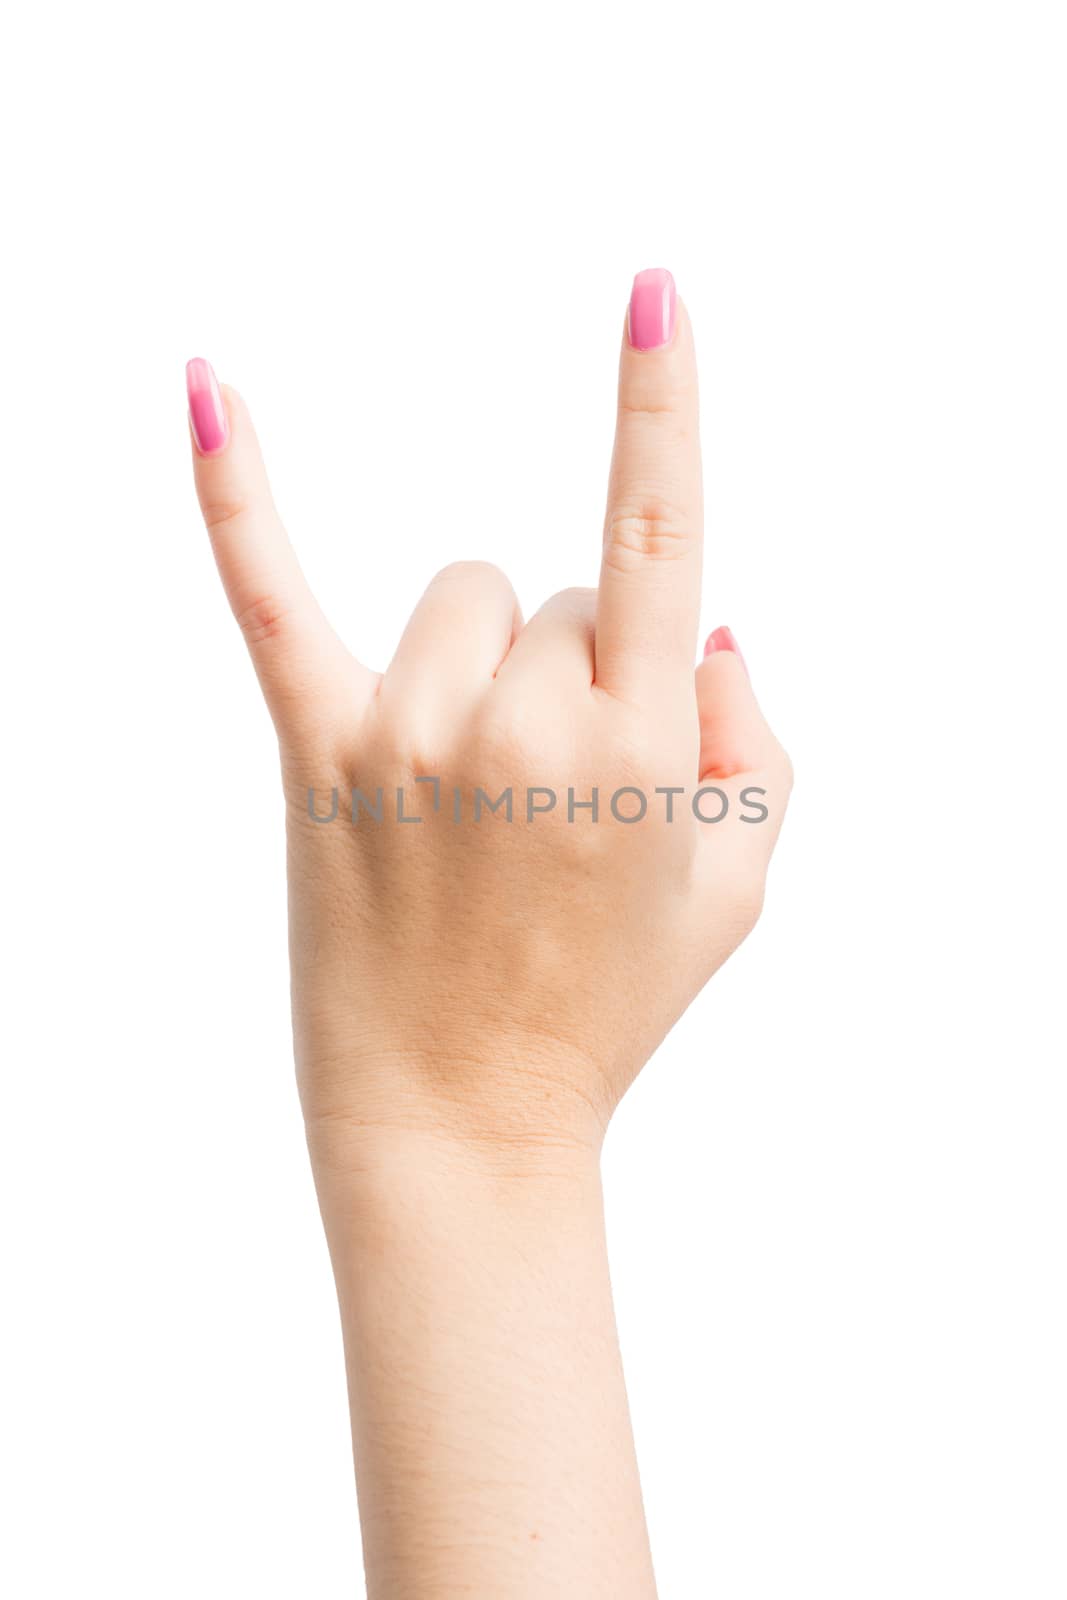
{"x": 262, "y": 620}
{"x": 779, "y": 767}
{"x": 574, "y": 604}
{"x": 743, "y": 901}
{"x": 646, "y": 529}
{"x": 653, "y": 397}
{"x": 575, "y": 598}
{"x": 667, "y": 422}
{"x": 484, "y": 572}
{"x": 220, "y": 513}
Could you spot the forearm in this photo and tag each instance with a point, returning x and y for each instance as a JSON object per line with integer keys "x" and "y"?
{"x": 490, "y": 1427}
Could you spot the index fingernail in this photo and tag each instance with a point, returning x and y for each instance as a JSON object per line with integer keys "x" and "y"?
{"x": 653, "y": 302}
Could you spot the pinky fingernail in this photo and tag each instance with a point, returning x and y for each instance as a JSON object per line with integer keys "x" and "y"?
{"x": 207, "y": 414}
{"x": 723, "y": 639}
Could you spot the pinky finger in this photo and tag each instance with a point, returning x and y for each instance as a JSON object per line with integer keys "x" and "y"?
{"x": 303, "y": 668}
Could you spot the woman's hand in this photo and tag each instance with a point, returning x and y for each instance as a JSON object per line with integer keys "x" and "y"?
{"x": 495, "y": 978}
{"x": 473, "y": 991}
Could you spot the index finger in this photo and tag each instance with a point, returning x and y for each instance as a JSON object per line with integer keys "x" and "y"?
{"x": 649, "y": 599}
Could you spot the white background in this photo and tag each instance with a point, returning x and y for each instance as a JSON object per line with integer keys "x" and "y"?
{"x": 837, "y": 1197}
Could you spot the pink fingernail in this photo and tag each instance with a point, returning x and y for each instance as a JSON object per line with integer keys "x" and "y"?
{"x": 723, "y": 639}
{"x": 206, "y": 410}
{"x": 653, "y": 301}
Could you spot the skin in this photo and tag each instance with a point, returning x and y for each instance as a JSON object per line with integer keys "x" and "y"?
{"x": 471, "y": 1002}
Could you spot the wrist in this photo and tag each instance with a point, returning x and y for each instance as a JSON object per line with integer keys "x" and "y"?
{"x": 509, "y": 1112}
{"x": 374, "y": 1178}
{"x": 370, "y": 1159}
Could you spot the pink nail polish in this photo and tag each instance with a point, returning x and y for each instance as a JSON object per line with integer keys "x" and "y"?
{"x": 652, "y": 306}
{"x": 723, "y": 639}
{"x": 206, "y": 410}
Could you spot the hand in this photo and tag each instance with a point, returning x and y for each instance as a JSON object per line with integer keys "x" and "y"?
{"x": 491, "y": 979}
{"x": 474, "y": 991}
